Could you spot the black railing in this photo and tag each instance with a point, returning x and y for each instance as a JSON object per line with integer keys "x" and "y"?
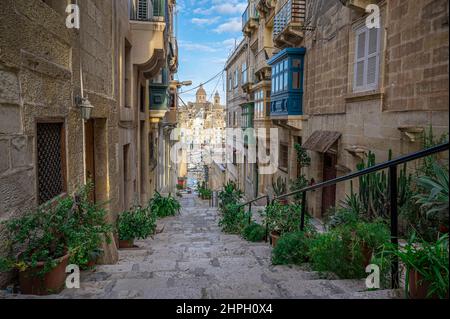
{"x": 392, "y": 165}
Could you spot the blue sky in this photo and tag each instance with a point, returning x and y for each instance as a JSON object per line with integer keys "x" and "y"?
{"x": 207, "y": 31}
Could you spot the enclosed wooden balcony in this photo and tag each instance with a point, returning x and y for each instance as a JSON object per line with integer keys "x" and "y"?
{"x": 288, "y": 25}
{"x": 250, "y": 18}
{"x": 147, "y": 31}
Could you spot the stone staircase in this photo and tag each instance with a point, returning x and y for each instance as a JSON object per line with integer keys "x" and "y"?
{"x": 192, "y": 258}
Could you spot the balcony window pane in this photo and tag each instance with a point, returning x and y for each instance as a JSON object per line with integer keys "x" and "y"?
{"x": 296, "y": 80}
{"x": 286, "y": 80}
{"x": 296, "y": 63}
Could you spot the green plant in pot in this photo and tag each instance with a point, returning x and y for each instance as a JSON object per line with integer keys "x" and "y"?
{"x": 234, "y": 219}
{"x": 292, "y": 248}
{"x": 433, "y": 197}
{"x": 42, "y": 242}
{"x": 230, "y": 194}
{"x": 280, "y": 188}
{"x": 347, "y": 249}
{"x": 138, "y": 223}
{"x": 254, "y": 232}
{"x": 427, "y": 267}
{"x": 164, "y": 206}
{"x": 88, "y": 230}
{"x": 281, "y": 219}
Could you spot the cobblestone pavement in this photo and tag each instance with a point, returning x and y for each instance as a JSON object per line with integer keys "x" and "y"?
{"x": 191, "y": 258}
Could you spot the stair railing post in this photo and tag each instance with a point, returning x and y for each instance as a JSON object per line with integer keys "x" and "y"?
{"x": 302, "y": 222}
{"x": 250, "y": 213}
{"x": 393, "y": 194}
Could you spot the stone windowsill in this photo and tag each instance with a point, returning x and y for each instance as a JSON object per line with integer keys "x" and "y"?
{"x": 364, "y": 96}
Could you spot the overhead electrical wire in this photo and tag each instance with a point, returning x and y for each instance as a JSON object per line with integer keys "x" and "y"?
{"x": 210, "y": 80}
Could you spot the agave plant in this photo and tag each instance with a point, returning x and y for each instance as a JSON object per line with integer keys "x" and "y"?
{"x": 433, "y": 199}
{"x": 279, "y": 187}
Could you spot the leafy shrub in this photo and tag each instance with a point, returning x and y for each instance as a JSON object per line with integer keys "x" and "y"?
{"x": 282, "y": 218}
{"x": 254, "y": 232}
{"x": 234, "y": 219}
{"x": 342, "y": 250}
{"x": 89, "y": 229}
{"x": 430, "y": 260}
{"x": 291, "y": 248}
{"x": 68, "y": 225}
{"x": 433, "y": 198}
{"x": 138, "y": 223}
{"x": 164, "y": 206}
{"x": 230, "y": 194}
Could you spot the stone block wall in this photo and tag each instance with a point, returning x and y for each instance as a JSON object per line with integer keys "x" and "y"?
{"x": 413, "y": 89}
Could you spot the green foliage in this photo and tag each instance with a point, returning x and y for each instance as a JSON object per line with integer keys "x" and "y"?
{"x": 254, "y": 232}
{"x": 426, "y": 167}
{"x": 68, "y": 225}
{"x": 342, "y": 216}
{"x": 303, "y": 160}
{"x": 342, "y": 250}
{"x": 431, "y": 260}
{"x": 137, "y": 223}
{"x": 89, "y": 229}
{"x": 279, "y": 187}
{"x": 291, "y": 248}
{"x": 204, "y": 192}
{"x": 164, "y": 206}
{"x": 234, "y": 219}
{"x": 230, "y": 194}
{"x": 282, "y": 218}
{"x": 433, "y": 198}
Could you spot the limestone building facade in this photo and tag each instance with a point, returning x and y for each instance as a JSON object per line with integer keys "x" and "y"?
{"x": 339, "y": 87}
{"x": 48, "y": 147}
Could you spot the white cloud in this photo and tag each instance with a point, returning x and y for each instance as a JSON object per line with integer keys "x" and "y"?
{"x": 232, "y": 25}
{"x": 189, "y": 46}
{"x": 223, "y": 8}
{"x": 204, "y": 21}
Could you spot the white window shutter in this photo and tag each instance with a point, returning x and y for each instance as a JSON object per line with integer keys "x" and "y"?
{"x": 373, "y": 58}
{"x": 360, "y": 59}
{"x": 367, "y": 60}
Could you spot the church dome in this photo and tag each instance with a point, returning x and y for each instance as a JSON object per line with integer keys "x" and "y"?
{"x": 201, "y": 95}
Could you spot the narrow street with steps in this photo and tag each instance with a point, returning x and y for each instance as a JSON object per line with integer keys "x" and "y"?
{"x": 192, "y": 258}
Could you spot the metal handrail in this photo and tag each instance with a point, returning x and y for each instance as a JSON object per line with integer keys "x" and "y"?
{"x": 393, "y": 192}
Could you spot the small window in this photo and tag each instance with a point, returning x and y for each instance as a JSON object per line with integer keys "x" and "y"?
{"x": 367, "y": 59}
{"x": 51, "y": 165}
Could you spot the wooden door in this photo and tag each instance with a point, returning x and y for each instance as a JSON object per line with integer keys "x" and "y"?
{"x": 329, "y": 172}
{"x": 90, "y": 155}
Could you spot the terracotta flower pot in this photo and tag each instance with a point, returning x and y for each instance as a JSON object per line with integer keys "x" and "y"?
{"x": 367, "y": 255}
{"x": 124, "y": 244}
{"x": 418, "y": 288}
{"x": 443, "y": 229}
{"x": 51, "y": 283}
{"x": 283, "y": 201}
{"x": 274, "y": 236}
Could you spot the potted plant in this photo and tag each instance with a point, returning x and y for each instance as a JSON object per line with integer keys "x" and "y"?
{"x": 88, "y": 231}
{"x": 433, "y": 198}
{"x": 138, "y": 223}
{"x": 281, "y": 219}
{"x": 38, "y": 247}
{"x": 164, "y": 206}
{"x": 280, "y": 188}
{"x": 427, "y": 267}
{"x": 229, "y": 195}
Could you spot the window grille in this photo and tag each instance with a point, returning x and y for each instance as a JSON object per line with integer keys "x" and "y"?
{"x": 50, "y": 161}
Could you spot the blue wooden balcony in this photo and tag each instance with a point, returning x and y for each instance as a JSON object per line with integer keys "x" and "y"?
{"x": 287, "y": 82}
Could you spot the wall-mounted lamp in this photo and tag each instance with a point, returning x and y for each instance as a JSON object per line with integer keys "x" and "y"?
{"x": 85, "y": 105}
